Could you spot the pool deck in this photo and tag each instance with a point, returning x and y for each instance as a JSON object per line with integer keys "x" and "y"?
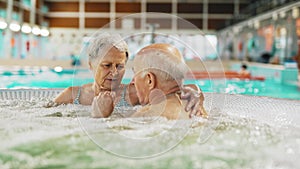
{"x": 279, "y": 72}
{"x": 38, "y": 63}
{"x": 67, "y": 63}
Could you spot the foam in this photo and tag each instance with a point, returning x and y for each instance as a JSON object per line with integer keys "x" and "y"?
{"x": 248, "y": 132}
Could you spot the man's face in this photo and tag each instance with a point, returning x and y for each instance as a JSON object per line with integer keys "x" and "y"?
{"x": 142, "y": 89}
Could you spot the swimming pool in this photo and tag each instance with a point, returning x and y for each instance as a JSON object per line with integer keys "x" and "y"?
{"x": 242, "y": 132}
{"x": 66, "y": 78}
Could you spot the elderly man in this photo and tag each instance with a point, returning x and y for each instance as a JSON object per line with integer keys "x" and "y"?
{"x": 159, "y": 73}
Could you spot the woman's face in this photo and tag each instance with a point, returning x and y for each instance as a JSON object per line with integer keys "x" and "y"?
{"x": 108, "y": 73}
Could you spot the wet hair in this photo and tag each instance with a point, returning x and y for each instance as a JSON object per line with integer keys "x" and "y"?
{"x": 159, "y": 62}
{"x": 244, "y": 66}
{"x": 100, "y": 44}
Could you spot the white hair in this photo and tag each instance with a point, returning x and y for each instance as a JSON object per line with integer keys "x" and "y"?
{"x": 100, "y": 44}
{"x": 161, "y": 64}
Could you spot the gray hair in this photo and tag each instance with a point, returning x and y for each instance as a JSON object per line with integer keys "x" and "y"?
{"x": 100, "y": 44}
{"x": 161, "y": 65}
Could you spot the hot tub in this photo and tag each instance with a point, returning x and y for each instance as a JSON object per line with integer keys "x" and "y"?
{"x": 242, "y": 132}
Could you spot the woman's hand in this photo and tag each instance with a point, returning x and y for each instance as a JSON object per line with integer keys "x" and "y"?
{"x": 51, "y": 104}
{"x": 195, "y": 101}
{"x": 103, "y": 104}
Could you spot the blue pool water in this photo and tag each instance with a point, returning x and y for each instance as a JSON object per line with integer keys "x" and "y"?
{"x": 52, "y": 79}
{"x": 268, "y": 88}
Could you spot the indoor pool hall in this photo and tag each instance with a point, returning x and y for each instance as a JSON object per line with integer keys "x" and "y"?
{"x": 187, "y": 84}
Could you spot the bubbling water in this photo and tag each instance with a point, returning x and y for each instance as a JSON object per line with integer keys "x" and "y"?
{"x": 248, "y": 132}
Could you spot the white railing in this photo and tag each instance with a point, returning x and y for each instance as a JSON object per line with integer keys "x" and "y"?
{"x": 27, "y": 94}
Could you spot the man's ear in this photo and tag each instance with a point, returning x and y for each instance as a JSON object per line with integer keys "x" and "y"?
{"x": 151, "y": 80}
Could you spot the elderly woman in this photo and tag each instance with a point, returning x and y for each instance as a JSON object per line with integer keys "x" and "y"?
{"x": 107, "y": 58}
{"x": 159, "y": 73}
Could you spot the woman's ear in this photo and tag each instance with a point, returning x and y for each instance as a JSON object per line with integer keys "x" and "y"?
{"x": 90, "y": 66}
{"x": 151, "y": 80}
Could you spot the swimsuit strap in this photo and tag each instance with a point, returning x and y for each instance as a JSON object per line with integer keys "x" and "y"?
{"x": 76, "y": 100}
{"x": 123, "y": 108}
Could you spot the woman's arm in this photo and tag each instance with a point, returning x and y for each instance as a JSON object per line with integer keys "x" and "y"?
{"x": 66, "y": 96}
{"x": 193, "y": 94}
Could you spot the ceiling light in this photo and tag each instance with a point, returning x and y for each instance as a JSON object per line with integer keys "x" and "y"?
{"x": 3, "y": 24}
{"x": 274, "y": 16}
{"x": 295, "y": 12}
{"x": 14, "y": 26}
{"x": 256, "y": 24}
{"x": 282, "y": 14}
{"x": 36, "y": 30}
{"x": 250, "y": 23}
{"x": 45, "y": 32}
{"x": 26, "y": 28}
